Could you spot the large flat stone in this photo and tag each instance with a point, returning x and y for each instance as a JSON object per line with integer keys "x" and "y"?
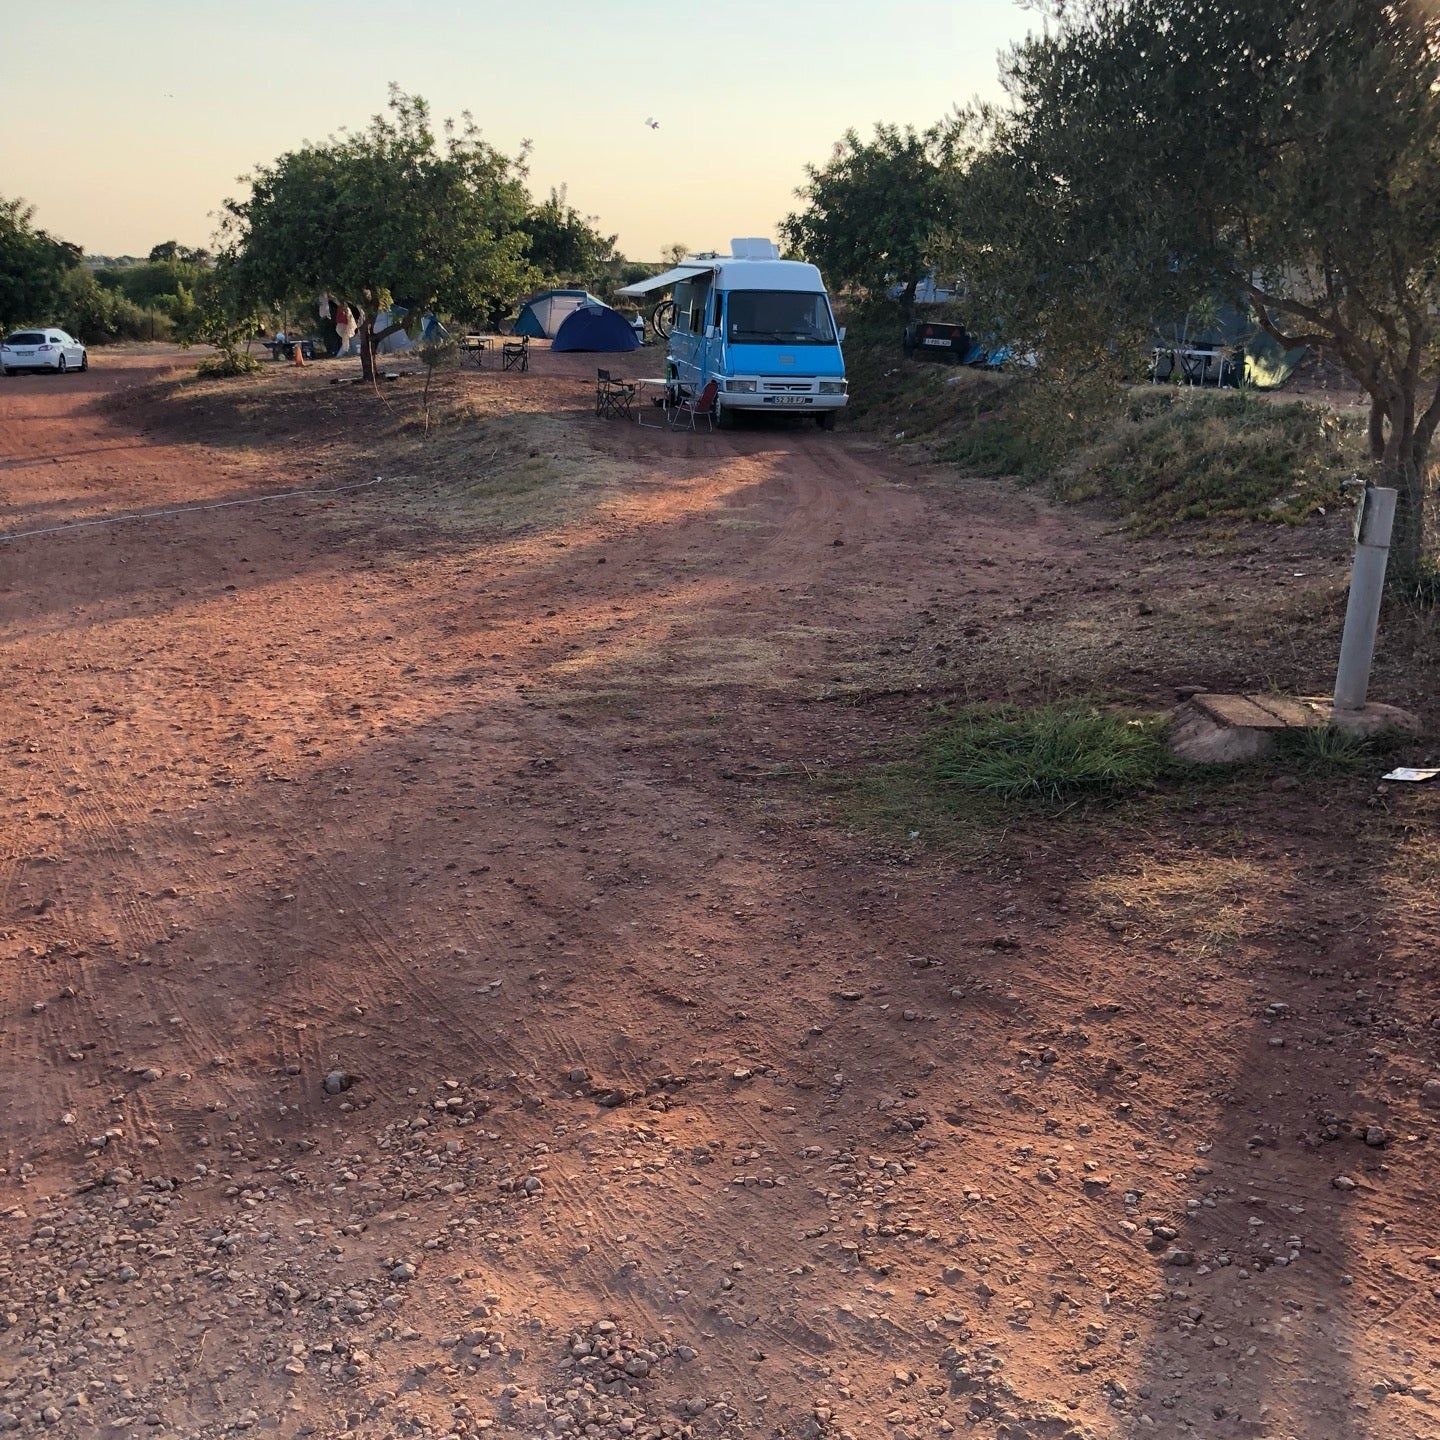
{"x": 1227, "y": 729}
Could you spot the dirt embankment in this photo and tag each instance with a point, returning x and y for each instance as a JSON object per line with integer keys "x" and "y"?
{"x": 434, "y": 998}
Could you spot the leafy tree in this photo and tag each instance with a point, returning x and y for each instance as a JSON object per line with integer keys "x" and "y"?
{"x": 32, "y": 266}
{"x": 221, "y": 313}
{"x": 564, "y": 244}
{"x": 874, "y": 212}
{"x": 173, "y": 250}
{"x": 98, "y": 315}
{"x": 1280, "y": 152}
{"x": 153, "y": 281}
{"x": 390, "y": 216}
{"x": 674, "y": 253}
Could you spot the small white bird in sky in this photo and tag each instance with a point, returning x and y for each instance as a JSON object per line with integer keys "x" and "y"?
{"x": 652, "y": 123}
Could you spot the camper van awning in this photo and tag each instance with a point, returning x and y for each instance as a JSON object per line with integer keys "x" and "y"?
{"x": 664, "y": 281}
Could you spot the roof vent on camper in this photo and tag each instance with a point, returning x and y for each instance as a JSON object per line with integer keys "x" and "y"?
{"x": 754, "y": 249}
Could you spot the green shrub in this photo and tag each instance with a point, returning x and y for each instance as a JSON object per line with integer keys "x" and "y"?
{"x": 98, "y": 315}
{"x": 227, "y": 363}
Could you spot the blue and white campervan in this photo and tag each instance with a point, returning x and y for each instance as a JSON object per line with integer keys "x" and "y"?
{"x": 759, "y": 326}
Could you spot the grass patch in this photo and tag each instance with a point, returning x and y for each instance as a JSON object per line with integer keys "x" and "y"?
{"x": 962, "y": 782}
{"x": 1050, "y": 757}
{"x": 1323, "y": 750}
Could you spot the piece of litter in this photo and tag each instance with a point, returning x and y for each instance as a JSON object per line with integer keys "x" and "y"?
{"x": 1405, "y": 772}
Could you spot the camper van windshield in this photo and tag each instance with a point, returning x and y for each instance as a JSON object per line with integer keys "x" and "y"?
{"x": 778, "y": 317}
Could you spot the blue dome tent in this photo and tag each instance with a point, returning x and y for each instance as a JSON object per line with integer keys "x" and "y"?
{"x": 596, "y": 327}
{"x": 543, "y": 313}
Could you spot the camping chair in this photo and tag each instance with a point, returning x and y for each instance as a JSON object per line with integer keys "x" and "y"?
{"x": 612, "y": 396}
{"x": 691, "y": 407}
{"x": 515, "y": 356}
{"x": 473, "y": 348}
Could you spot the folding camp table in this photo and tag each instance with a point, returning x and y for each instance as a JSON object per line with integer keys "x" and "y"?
{"x": 649, "y": 382}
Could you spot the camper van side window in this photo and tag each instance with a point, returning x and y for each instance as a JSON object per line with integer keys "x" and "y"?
{"x": 683, "y": 293}
{"x": 716, "y": 319}
{"x": 699, "y": 297}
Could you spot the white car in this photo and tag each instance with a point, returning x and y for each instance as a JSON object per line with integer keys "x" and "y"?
{"x": 46, "y": 349}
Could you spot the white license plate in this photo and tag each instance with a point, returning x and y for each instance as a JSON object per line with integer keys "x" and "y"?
{"x": 789, "y": 399}
{"x": 936, "y": 341}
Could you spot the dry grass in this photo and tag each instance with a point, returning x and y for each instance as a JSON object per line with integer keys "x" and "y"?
{"x": 477, "y": 468}
{"x": 1203, "y": 904}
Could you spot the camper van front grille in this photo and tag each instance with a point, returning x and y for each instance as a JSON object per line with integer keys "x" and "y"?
{"x": 779, "y": 385}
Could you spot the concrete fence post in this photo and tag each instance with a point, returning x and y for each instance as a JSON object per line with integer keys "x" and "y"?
{"x": 1373, "y": 523}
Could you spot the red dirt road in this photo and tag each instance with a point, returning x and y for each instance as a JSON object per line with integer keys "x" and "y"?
{"x": 662, "y": 1104}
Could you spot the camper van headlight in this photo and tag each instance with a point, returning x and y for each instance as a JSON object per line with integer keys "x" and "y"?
{"x": 832, "y": 387}
{"x": 741, "y": 387}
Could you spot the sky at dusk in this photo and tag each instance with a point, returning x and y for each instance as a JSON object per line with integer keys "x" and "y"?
{"x": 153, "y": 109}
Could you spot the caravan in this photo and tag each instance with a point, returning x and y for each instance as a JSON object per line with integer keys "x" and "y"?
{"x": 759, "y": 327}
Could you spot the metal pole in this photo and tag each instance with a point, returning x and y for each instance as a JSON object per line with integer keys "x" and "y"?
{"x": 1373, "y": 524}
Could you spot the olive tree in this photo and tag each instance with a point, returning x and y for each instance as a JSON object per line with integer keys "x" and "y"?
{"x": 393, "y": 215}
{"x": 1282, "y": 153}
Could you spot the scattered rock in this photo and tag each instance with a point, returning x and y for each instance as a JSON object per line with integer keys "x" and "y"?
{"x": 337, "y": 1081}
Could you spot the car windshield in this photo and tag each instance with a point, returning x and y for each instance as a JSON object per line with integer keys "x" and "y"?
{"x": 25, "y": 337}
{"x": 778, "y": 317}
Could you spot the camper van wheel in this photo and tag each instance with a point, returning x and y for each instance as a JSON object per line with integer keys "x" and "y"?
{"x": 724, "y": 418}
{"x": 827, "y": 420}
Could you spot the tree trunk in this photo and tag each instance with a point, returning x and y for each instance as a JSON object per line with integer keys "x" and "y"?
{"x": 1377, "y": 430}
{"x": 907, "y": 300}
{"x": 1406, "y": 467}
{"x": 1400, "y": 440}
{"x": 367, "y": 350}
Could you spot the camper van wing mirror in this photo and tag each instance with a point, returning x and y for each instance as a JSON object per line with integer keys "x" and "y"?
{"x": 710, "y": 332}
{"x": 840, "y": 333}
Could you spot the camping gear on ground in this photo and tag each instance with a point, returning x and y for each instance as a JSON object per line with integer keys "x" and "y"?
{"x": 544, "y": 312}
{"x": 760, "y": 327}
{"x": 690, "y": 407}
{"x": 612, "y": 396}
{"x": 1221, "y": 343}
{"x": 283, "y": 349}
{"x": 515, "y": 354}
{"x": 1217, "y": 365}
{"x": 595, "y": 328}
{"x": 474, "y": 348}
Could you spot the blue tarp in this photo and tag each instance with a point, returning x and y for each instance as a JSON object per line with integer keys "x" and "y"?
{"x": 595, "y": 327}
